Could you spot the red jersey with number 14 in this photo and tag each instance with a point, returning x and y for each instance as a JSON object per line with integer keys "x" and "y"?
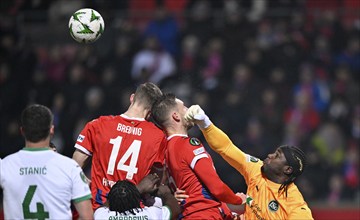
{"x": 121, "y": 148}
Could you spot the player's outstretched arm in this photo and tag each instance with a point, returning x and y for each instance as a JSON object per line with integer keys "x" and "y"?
{"x": 197, "y": 115}
{"x": 216, "y": 186}
{"x": 216, "y": 138}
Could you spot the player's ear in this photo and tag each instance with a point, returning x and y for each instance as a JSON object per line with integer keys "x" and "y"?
{"x": 132, "y": 98}
{"x": 288, "y": 170}
{"x": 175, "y": 116}
{"x": 52, "y": 130}
{"x": 21, "y": 130}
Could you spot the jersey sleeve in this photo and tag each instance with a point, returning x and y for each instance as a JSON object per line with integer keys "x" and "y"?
{"x": 154, "y": 212}
{"x": 212, "y": 181}
{"x": 301, "y": 212}
{"x": 102, "y": 213}
{"x": 80, "y": 187}
{"x": 201, "y": 163}
{"x": 85, "y": 139}
{"x": 193, "y": 151}
{"x": 218, "y": 141}
{"x": 166, "y": 213}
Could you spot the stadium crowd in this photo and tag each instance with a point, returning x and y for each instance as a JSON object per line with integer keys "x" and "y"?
{"x": 268, "y": 73}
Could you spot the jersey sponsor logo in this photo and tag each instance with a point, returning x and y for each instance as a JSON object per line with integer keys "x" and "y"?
{"x": 273, "y": 205}
{"x": 81, "y": 138}
{"x": 249, "y": 200}
{"x": 194, "y": 141}
{"x": 250, "y": 158}
{"x": 199, "y": 150}
{"x": 108, "y": 183}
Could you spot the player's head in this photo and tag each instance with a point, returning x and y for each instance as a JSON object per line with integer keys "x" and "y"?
{"x": 286, "y": 164}
{"x": 167, "y": 110}
{"x": 36, "y": 123}
{"x": 146, "y": 94}
{"x": 124, "y": 196}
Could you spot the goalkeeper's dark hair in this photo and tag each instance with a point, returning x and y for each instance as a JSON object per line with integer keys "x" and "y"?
{"x": 36, "y": 121}
{"x": 147, "y": 93}
{"x": 161, "y": 108}
{"x": 124, "y": 196}
{"x": 295, "y": 158}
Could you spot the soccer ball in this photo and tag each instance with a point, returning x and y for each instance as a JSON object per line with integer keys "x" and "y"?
{"x": 86, "y": 25}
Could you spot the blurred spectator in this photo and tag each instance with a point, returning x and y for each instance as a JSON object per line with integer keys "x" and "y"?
{"x": 270, "y": 113}
{"x": 257, "y": 141}
{"x": 199, "y": 22}
{"x": 189, "y": 58}
{"x": 316, "y": 87}
{"x": 351, "y": 55}
{"x": 236, "y": 32}
{"x": 302, "y": 118}
{"x": 336, "y": 185}
{"x": 164, "y": 27}
{"x": 345, "y": 85}
{"x": 56, "y": 65}
{"x": 330, "y": 144}
{"x": 152, "y": 63}
{"x": 213, "y": 63}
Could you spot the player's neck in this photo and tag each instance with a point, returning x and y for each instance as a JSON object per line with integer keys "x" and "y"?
{"x": 171, "y": 130}
{"x": 274, "y": 178}
{"x": 40, "y": 144}
{"x": 136, "y": 112}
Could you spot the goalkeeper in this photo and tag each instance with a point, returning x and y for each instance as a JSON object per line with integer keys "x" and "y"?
{"x": 271, "y": 188}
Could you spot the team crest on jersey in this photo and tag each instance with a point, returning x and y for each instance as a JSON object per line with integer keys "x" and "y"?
{"x": 273, "y": 205}
{"x": 83, "y": 177}
{"x": 194, "y": 141}
{"x": 80, "y": 138}
{"x": 250, "y": 158}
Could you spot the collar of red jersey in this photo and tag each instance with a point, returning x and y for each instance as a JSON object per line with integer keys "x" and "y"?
{"x": 176, "y": 135}
{"x": 132, "y": 118}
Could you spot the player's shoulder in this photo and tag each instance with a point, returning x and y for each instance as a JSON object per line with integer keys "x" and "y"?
{"x": 104, "y": 118}
{"x": 294, "y": 195}
{"x": 191, "y": 142}
{"x": 10, "y": 157}
{"x": 65, "y": 161}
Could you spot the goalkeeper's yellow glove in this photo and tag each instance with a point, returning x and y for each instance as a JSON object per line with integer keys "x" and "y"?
{"x": 197, "y": 115}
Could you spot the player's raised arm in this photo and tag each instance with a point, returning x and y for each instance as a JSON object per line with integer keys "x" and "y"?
{"x": 212, "y": 181}
{"x": 217, "y": 139}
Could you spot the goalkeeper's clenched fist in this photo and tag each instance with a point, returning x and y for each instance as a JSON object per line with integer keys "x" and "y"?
{"x": 197, "y": 115}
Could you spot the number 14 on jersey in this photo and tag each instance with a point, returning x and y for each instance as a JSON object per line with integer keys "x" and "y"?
{"x": 132, "y": 153}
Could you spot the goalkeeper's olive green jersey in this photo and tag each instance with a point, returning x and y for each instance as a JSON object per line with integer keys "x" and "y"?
{"x": 265, "y": 202}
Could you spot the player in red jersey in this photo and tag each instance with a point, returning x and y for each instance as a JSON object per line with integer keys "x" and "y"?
{"x": 190, "y": 167}
{"x": 122, "y": 147}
